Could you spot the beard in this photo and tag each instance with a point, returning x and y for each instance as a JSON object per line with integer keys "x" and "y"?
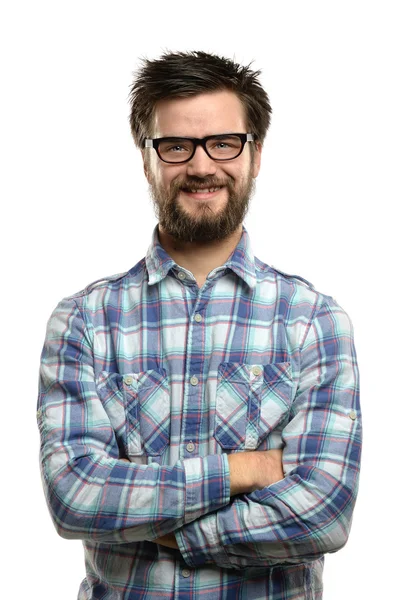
{"x": 205, "y": 225}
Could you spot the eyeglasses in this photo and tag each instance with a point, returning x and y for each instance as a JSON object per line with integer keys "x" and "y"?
{"x": 226, "y": 146}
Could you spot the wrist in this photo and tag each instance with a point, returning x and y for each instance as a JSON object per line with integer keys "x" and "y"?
{"x": 254, "y": 470}
{"x": 242, "y": 472}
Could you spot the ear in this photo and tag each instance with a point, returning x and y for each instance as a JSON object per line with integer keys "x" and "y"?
{"x": 257, "y": 159}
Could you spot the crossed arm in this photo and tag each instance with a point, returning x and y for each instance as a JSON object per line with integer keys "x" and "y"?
{"x": 233, "y": 511}
{"x": 249, "y": 471}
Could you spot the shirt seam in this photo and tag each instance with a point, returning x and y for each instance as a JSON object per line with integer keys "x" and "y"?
{"x": 87, "y": 327}
{"x": 313, "y": 317}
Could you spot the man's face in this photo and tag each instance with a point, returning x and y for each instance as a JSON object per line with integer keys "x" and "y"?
{"x": 186, "y": 216}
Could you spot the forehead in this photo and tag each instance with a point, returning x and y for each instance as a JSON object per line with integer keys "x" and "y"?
{"x": 200, "y": 115}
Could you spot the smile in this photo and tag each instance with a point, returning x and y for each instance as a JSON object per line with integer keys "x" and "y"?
{"x": 203, "y": 193}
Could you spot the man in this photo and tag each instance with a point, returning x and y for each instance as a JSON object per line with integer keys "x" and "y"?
{"x": 199, "y": 414}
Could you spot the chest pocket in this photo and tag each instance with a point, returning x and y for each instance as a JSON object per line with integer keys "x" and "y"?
{"x": 138, "y": 407}
{"x": 251, "y": 401}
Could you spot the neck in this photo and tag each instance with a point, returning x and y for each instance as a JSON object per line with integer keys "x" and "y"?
{"x": 199, "y": 257}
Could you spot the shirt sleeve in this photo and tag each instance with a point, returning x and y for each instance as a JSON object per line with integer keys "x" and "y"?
{"x": 91, "y": 494}
{"x": 309, "y": 512}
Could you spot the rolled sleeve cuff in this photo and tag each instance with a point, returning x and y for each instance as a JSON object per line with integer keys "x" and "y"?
{"x": 207, "y": 481}
{"x": 199, "y": 543}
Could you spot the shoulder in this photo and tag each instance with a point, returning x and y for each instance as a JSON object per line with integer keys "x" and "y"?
{"x": 322, "y": 305}
{"x": 283, "y": 280}
{"x": 302, "y": 301}
{"x": 110, "y": 282}
{"x": 292, "y": 286}
{"x": 290, "y": 277}
{"x": 98, "y": 284}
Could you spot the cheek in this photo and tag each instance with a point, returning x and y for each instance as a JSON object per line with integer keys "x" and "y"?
{"x": 173, "y": 177}
{"x": 157, "y": 176}
{"x": 240, "y": 176}
{"x": 241, "y": 170}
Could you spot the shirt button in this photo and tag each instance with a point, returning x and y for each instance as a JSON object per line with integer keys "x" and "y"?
{"x": 128, "y": 380}
{"x": 186, "y": 572}
{"x": 190, "y": 447}
{"x": 181, "y": 275}
{"x": 352, "y": 415}
{"x": 198, "y": 318}
{"x": 256, "y": 371}
{"x": 194, "y": 380}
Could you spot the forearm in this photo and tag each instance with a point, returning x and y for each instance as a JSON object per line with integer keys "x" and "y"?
{"x": 295, "y": 520}
{"x": 116, "y": 502}
{"x": 249, "y": 471}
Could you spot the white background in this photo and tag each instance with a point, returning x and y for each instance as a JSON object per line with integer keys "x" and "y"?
{"x": 75, "y": 207}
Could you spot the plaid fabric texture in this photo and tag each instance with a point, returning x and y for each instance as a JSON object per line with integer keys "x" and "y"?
{"x": 148, "y": 367}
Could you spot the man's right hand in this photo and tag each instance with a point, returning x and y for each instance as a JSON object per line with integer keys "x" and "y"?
{"x": 254, "y": 470}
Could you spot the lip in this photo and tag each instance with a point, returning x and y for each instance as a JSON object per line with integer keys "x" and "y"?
{"x": 203, "y": 196}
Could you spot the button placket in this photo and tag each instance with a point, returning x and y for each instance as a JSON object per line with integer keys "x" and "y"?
{"x": 192, "y": 415}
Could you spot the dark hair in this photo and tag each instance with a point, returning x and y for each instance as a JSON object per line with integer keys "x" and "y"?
{"x": 183, "y": 74}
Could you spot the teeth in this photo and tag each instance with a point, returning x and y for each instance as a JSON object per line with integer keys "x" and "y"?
{"x": 205, "y": 191}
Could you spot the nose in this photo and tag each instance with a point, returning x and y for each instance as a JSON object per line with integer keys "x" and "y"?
{"x": 201, "y": 164}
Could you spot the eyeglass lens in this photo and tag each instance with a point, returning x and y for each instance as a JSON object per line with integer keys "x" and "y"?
{"x": 219, "y": 148}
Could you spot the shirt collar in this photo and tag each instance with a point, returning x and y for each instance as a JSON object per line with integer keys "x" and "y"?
{"x": 241, "y": 260}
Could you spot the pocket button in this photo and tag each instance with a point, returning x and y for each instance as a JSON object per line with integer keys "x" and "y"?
{"x": 256, "y": 371}
{"x": 128, "y": 380}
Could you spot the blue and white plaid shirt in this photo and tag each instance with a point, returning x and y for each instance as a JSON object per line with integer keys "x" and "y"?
{"x": 147, "y": 366}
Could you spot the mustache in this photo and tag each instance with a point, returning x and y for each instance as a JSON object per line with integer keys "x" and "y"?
{"x": 200, "y": 184}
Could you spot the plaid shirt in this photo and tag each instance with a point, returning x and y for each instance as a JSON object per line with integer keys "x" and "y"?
{"x": 147, "y": 366}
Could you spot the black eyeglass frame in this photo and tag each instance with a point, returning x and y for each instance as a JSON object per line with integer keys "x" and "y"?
{"x": 154, "y": 143}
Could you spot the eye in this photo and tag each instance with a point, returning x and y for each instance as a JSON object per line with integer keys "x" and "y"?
{"x": 175, "y": 149}
{"x": 222, "y": 145}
